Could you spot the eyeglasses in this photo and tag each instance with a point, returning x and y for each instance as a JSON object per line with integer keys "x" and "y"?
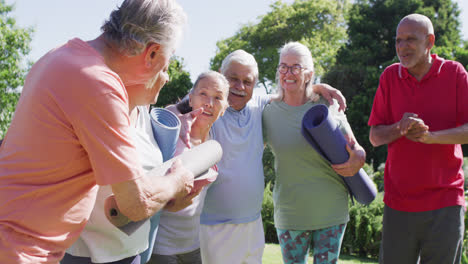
{"x": 295, "y": 69}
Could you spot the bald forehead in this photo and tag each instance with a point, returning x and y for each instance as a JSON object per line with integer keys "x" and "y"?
{"x": 423, "y": 23}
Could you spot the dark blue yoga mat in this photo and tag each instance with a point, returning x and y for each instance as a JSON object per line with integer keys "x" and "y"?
{"x": 324, "y": 135}
{"x": 166, "y": 128}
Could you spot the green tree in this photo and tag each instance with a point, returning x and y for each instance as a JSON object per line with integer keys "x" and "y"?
{"x": 14, "y": 44}
{"x": 319, "y": 24}
{"x": 370, "y": 48}
{"x": 178, "y": 85}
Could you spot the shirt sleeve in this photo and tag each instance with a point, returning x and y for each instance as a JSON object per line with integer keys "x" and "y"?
{"x": 379, "y": 108}
{"x": 462, "y": 95}
{"x": 103, "y": 128}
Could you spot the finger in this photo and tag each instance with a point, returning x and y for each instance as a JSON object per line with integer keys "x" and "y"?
{"x": 195, "y": 113}
{"x": 328, "y": 97}
{"x": 341, "y": 101}
{"x": 175, "y": 165}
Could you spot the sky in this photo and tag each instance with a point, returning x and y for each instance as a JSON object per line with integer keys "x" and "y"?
{"x": 57, "y": 21}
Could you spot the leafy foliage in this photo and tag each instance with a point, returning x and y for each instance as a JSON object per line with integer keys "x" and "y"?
{"x": 177, "y": 87}
{"x": 319, "y": 24}
{"x": 364, "y": 230}
{"x": 267, "y": 215}
{"x": 371, "y": 29}
{"x": 14, "y": 44}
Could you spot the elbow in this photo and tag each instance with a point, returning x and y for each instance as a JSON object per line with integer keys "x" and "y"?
{"x": 135, "y": 209}
{"x": 134, "y": 201}
{"x": 373, "y": 142}
{"x": 373, "y": 138}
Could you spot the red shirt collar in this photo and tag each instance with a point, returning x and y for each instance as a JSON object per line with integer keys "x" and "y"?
{"x": 435, "y": 68}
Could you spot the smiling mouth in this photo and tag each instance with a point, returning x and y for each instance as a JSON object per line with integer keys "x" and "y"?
{"x": 290, "y": 81}
{"x": 207, "y": 113}
{"x": 238, "y": 93}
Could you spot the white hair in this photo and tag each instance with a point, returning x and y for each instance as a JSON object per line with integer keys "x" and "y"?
{"x": 242, "y": 57}
{"x": 300, "y": 50}
{"x": 138, "y": 22}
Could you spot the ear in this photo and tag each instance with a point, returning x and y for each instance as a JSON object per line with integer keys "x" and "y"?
{"x": 431, "y": 41}
{"x": 190, "y": 100}
{"x": 151, "y": 51}
{"x": 309, "y": 76}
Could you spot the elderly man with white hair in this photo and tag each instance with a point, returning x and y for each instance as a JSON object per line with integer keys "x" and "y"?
{"x": 421, "y": 111}
{"x": 232, "y": 229}
{"x": 72, "y": 132}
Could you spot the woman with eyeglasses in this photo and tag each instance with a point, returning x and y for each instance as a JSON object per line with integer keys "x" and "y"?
{"x": 310, "y": 198}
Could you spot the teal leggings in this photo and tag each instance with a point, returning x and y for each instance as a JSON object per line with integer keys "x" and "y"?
{"x": 295, "y": 244}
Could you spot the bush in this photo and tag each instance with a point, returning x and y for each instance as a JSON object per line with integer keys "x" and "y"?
{"x": 364, "y": 230}
{"x": 267, "y": 215}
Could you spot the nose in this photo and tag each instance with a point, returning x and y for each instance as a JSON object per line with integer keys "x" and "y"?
{"x": 239, "y": 85}
{"x": 209, "y": 102}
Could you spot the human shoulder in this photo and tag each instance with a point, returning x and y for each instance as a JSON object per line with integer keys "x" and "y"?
{"x": 393, "y": 69}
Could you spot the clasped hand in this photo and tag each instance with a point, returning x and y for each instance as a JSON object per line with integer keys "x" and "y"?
{"x": 414, "y": 128}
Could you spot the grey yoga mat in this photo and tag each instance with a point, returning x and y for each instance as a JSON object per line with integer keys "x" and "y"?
{"x": 198, "y": 160}
{"x": 323, "y": 134}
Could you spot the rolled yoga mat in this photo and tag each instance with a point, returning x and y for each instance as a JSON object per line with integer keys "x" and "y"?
{"x": 166, "y": 128}
{"x": 198, "y": 160}
{"x": 323, "y": 134}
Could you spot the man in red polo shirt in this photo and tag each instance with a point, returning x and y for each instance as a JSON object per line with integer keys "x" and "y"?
{"x": 421, "y": 111}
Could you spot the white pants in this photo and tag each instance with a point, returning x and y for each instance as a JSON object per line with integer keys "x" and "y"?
{"x": 232, "y": 243}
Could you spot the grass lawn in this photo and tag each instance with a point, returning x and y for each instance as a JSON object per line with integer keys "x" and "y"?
{"x": 272, "y": 255}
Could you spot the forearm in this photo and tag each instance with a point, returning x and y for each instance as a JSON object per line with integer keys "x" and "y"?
{"x": 457, "y": 135}
{"x": 141, "y": 198}
{"x": 384, "y": 134}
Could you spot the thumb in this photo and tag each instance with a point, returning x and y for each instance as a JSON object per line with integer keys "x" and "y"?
{"x": 349, "y": 149}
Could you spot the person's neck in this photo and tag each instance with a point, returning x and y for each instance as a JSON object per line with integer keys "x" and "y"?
{"x": 199, "y": 134}
{"x": 113, "y": 58}
{"x": 421, "y": 69}
{"x": 295, "y": 99}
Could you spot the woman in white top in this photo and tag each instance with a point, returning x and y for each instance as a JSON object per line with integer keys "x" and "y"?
{"x": 177, "y": 240}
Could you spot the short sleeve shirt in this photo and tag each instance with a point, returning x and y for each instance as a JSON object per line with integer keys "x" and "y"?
{"x": 423, "y": 177}
{"x": 70, "y": 132}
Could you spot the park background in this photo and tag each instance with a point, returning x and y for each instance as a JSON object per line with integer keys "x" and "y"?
{"x": 351, "y": 41}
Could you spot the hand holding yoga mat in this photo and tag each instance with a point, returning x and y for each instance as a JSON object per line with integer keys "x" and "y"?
{"x": 323, "y": 134}
{"x": 198, "y": 160}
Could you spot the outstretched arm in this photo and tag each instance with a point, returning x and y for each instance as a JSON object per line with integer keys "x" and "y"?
{"x": 141, "y": 198}
{"x": 330, "y": 93}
